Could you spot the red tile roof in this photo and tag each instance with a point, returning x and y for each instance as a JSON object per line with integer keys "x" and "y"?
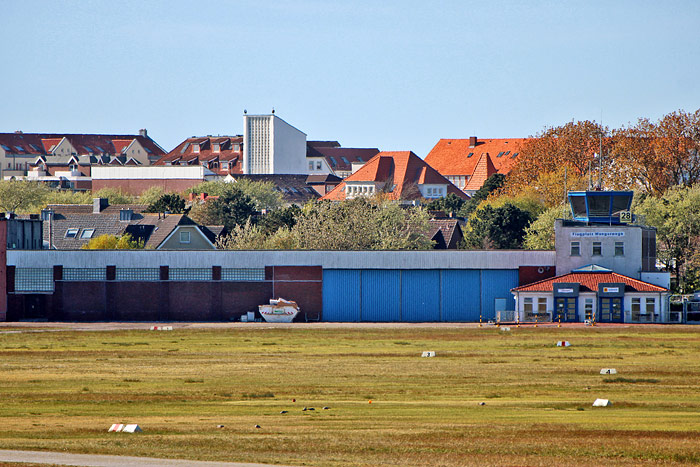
{"x": 184, "y": 154}
{"x": 403, "y": 169}
{"x": 483, "y": 170}
{"x": 84, "y": 144}
{"x": 458, "y": 157}
{"x": 341, "y": 159}
{"x": 589, "y": 282}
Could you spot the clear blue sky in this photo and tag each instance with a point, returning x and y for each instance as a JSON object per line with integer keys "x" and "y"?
{"x": 397, "y": 75}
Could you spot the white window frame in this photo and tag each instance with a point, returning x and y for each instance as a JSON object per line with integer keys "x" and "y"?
{"x": 185, "y": 236}
{"x": 87, "y": 233}
{"x": 72, "y": 233}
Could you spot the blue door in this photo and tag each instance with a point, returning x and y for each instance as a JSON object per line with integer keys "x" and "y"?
{"x": 610, "y": 310}
{"x": 566, "y": 309}
{"x": 420, "y": 295}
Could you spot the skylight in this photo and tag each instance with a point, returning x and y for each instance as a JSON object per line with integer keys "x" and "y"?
{"x": 500, "y": 154}
{"x": 333, "y": 162}
{"x": 359, "y": 159}
{"x": 19, "y": 148}
{"x": 71, "y": 233}
{"x": 35, "y": 147}
{"x": 102, "y": 151}
{"x": 345, "y": 160}
{"x": 88, "y": 148}
{"x": 87, "y": 233}
{"x": 515, "y": 155}
{"x": 470, "y": 154}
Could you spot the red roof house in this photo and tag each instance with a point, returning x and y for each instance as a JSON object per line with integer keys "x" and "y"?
{"x": 469, "y": 162}
{"x": 400, "y": 175}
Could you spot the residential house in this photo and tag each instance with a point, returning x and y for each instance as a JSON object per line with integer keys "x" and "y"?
{"x": 222, "y": 155}
{"x": 469, "y": 162}
{"x": 328, "y": 157}
{"x": 446, "y": 233}
{"x": 399, "y": 175}
{"x": 57, "y": 156}
{"x": 70, "y": 227}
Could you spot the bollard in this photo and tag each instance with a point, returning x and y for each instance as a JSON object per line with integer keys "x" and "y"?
{"x": 535, "y": 320}
{"x": 479, "y": 320}
{"x": 559, "y": 321}
{"x": 517, "y": 320}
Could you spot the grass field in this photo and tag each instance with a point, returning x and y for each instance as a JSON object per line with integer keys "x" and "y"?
{"x": 62, "y": 390}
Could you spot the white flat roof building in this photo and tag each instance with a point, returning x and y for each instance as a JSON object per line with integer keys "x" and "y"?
{"x": 272, "y": 146}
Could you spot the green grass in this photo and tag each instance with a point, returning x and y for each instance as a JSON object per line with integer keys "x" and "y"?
{"x": 62, "y": 391}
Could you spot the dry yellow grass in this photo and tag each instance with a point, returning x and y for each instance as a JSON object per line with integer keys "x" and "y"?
{"x": 62, "y": 390}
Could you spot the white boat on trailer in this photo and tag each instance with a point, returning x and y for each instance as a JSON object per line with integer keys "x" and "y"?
{"x": 279, "y": 311}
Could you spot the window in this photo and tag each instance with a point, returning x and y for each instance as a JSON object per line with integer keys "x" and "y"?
{"x": 311, "y": 166}
{"x": 318, "y": 165}
{"x": 651, "y": 305}
{"x": 542, "y": 305}
{"x": 575, "y": 249}
{"x": 184, "y": 237}
{"x": 619, "y": 248}
{"x": 72, "y": 233}
{"x": 636, "y": 305}
{"x": 470, "y": 154}
{"x": 597, "y": 249}
{"x": 430, "y": 191}
{"x": 195, "y": 148}
{"x": 224, "y": 164}
{"x": 527, "y": 305}
{"x": 87, "y": 233}
{"x": 216, "y": 147}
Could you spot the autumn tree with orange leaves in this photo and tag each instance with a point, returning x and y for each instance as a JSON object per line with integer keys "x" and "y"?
{"x": 560, "y": 158}
{"x": 653, "y": 157}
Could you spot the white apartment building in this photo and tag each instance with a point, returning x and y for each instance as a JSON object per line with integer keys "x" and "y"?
{"x": 272, "y": 146}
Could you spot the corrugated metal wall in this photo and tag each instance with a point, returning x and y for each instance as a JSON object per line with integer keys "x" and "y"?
{"x": 420, "y": 295}
{"x": 461, "y": 299}
{"x": 341, "y": 295}
{"x": 415, "y": 295}
{"x": 381, "y": 295}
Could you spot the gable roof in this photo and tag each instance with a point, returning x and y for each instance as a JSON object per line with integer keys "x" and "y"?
{"x": 483, "y": 170}
{"x": 459, "y": 157}
{"x": 446, "y": 232}
{"x": 589, "y": 282}
{"x": 403, "y": 169}
{"x": 230, "y": 150}
{"x": 84, "y": 144}
{"x": 82, "y": 218}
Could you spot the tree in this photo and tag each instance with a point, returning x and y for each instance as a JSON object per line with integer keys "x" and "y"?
{"x": 284, "y": 217}
{"x": 253, "y": 237}
{"x": 113, "y": 242}
{"x": 169, "y": 202}
{"x": 449, "y": 204}
{"x": 492, "y": 184}
{"x": 497, "y": 228}
{"x": 232, "y": 208}
{"x": 151, "y": 195}
{"x": 114, "y": 196}
{"x": 263, "y": 194}
{"x": 21, "y": 196}
{"x": 676, "y": 217}
{"x": 567, "y": 151}
{"x": 539, "y": 235}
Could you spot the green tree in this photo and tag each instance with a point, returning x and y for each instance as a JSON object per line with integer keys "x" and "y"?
{"x": 284, "y": 217}
{"x": 539, "y": 235}
{"x": 151, "y": 195}
{"x": 169, "y": 202}
{"x": 450, "y": 204}
{"x": 676, "y": 217}
{"x": 20, "y": 196}
{"x": 231, "y": 209}
{"x": 263, "y": 194}
{"x": 497, "y": 228}
{"x": 114, "y": 196}
{"x": 113, "y": 242}
{"x": 492, "y": 185}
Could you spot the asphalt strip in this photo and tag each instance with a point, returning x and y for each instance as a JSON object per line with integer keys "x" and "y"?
{"x": 95, "y": 460}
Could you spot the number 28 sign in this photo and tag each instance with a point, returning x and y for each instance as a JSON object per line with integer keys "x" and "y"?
{"x": 625, "y": 216}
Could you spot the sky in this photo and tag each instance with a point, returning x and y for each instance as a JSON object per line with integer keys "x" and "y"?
{"x": 395, "y": 75}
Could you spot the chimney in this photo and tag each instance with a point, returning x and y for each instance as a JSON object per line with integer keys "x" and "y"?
{"x": 98, "y": 204}
{"x": 143, "y": 132}
{"x": 472, "y": 141}
{"x": 203, "y": 196}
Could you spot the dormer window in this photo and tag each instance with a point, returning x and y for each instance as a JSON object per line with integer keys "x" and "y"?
{"x": 224, "y": 165}
{"x": 195, "y": 148}
{"x": 216, "y": 147}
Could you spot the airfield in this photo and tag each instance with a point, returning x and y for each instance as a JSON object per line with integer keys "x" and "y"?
{"x": 236, "y": 392}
